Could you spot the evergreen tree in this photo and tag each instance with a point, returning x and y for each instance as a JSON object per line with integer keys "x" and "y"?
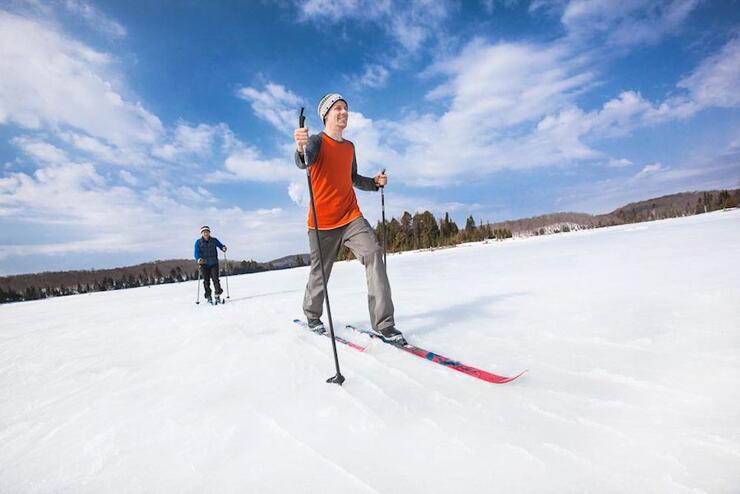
{"x": 407, "y": 231}
{"x": 447, "y": 230}
{"x": 426, "y": 231}
{"x": 470, "y": 225}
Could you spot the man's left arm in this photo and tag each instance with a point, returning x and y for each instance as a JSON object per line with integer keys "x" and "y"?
{"x": 220, "y": 245}
{"x": 362, "y": 183}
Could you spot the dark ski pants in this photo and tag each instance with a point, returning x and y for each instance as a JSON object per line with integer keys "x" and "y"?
{"x": 211, "y": 273}
{"x": 361, "y": 240}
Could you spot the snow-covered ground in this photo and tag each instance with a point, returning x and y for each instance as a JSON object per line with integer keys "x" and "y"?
{"x": 631, "y": 336}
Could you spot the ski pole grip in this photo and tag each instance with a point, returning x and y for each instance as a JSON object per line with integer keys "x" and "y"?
{"x": 301, "y": 123}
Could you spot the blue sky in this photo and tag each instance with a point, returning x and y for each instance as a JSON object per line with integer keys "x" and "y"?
{"x": 125, "y": 126}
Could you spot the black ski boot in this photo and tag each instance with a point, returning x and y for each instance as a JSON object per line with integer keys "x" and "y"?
{"x": 316, "y": 326}
{"x": 392, "y": 335}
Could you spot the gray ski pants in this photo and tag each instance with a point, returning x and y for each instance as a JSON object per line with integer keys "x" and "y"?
{"x": 361, "y": 240}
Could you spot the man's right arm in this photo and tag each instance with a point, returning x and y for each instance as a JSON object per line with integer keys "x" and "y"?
{"x": 196, "y": 251}
{"x": 312, "y": 151}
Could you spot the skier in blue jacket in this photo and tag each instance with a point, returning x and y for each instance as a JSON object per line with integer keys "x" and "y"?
{"x": 207, "y": 257}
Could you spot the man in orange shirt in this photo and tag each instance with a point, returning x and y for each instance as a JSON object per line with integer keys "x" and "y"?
{"x": 333, "y": 170}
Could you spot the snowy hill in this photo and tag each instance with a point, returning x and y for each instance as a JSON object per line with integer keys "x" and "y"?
{"x": 630, "y": 334}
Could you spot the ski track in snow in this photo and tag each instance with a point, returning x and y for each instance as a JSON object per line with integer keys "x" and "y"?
{"x": 630, "y": 335}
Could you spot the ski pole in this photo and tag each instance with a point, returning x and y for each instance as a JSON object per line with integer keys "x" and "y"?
{"x": 382, "y": 208}
{"x": 338, "y": 378}
{"x": 226, "y": 271}
{"x": 197, "y": 296}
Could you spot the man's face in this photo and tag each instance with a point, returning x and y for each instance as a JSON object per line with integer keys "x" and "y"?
{"x": 338, "y": 115}
{"x": 206, "y": 234}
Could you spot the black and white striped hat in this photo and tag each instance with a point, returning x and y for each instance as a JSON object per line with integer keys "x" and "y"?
{"x": 204, "y": 228}
{"x": 326, "y": 103}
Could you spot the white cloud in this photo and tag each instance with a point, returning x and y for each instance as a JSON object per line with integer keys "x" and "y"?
{"x": 128, "y": 177}
{"x": 630, "y": 110}
{"x": 298, "y": 193}
{"x": 247, "y": 165}
{"x": 375, "y": 76}
{"x": 188, "y": 143}
{"x": 651, "y": 169}
{"x": 372, "y": 146}
{"x": 95, "y": 18}
{"x": 39, "y": 150}
{"x": 716, "y": 82}
{"x": 624, "y": 23}
{"x": 275, "y": 104}
{"x": 617, "y": 117}
{"x": 619, "y": 163}
{"x": 410, "y": 23}
{"x": 51, "y": 80}
{"x": 191, "y": 195}
{"x": 98, "y": 150}
{"x": 505, "y": 84}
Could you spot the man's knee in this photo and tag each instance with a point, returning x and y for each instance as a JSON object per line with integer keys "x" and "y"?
{"x": 371, "y": 254}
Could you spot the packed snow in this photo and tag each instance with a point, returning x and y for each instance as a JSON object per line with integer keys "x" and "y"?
{"x": 631, "y": 336}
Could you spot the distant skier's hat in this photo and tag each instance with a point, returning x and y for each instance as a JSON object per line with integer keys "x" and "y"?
{"x": 327, "y": 102}
{"x": 204, "y": 229}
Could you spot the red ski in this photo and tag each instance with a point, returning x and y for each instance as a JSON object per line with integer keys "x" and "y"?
{"x": 439, "y": 359}
{"x": 339, "y": 339}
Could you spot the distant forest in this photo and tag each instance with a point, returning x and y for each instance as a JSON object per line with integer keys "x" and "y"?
{"x": 424, "y": 231}
{"x": 410, "y": 232}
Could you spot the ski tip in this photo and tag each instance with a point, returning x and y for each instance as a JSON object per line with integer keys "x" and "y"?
{"x": 509, "y": 379}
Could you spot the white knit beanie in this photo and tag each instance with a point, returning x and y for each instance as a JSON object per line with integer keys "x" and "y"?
{"x": 326, "y": 103}
{"x": 204, "y": 229}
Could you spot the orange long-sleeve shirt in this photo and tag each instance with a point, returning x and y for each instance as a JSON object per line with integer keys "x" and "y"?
{"x": 333, "y": 170}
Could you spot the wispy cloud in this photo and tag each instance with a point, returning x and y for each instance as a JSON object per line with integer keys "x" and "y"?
{"x": 651, "y": 169}
{"x": 52, "y": 80}
{"x": 410, "y": 23}
{"x": 188, "y": 142}
{"x": 274, "y": 104}
{"x": 246, "y": 164}
{"x": 375, "y": 76}
{"x": 95, "y": 18}
{"x": 39, "y": 150}
{"x": 716, "y": 82}
{"x": 627, "y": 23}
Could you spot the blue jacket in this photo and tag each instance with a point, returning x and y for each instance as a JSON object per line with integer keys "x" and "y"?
{"x": 207, "y": 250}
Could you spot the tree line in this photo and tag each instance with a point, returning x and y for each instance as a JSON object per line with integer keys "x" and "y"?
{"x": 43, "y": 285}
{"x": 424, "y": 231}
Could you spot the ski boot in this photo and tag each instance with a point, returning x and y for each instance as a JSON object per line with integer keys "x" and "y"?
{"x": 316, "y": 326}
{"x": 393, "y": 336}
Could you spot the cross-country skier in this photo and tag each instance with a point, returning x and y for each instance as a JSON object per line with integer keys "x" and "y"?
{"x": 333, "y": 171}
{"x": 207, "y": 257}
